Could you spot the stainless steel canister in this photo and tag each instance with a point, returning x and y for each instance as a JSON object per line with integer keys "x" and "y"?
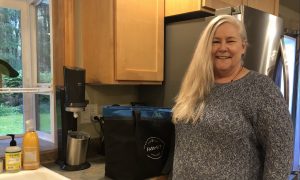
{"x": 77, "y": 145}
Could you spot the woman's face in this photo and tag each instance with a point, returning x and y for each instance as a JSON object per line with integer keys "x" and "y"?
{"x": 227, "y": 48}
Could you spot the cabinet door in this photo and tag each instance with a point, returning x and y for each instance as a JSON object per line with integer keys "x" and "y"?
{"x": 96, "y": 40}
{"x": 216, "y": 4}
{"x": 139, "y": 39}
{"x": 269, "y": 6}
{"x": 173, "y": 7}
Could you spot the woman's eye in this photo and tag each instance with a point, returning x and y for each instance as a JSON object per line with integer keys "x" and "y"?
{"x": 231, "y": 41}
{"x": 215, "y": 42}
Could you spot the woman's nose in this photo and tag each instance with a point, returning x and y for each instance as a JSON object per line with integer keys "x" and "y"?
{"x": 222, "y": 46}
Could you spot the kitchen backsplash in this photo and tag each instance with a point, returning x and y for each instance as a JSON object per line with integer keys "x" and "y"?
{"x": 106, "y": 95}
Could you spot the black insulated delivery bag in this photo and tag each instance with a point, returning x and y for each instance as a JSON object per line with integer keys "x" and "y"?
{"x": 137, "y": 141}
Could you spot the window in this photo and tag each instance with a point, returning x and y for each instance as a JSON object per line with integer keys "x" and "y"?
{"x": 25, "y": 44}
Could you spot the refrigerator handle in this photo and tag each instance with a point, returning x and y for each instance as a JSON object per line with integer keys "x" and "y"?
{"x": 285, "y": 70}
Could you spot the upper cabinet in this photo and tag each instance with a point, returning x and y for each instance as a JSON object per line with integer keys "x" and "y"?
{"x": 174, "y": 7}
{"x": 121, "y": 42}
{"x": 269, "y": 6}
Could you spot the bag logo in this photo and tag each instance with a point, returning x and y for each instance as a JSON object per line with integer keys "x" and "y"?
{"x": 154, "y": 147}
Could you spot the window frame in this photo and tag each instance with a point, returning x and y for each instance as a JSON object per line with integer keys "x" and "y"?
{"x": 31, "y": 87}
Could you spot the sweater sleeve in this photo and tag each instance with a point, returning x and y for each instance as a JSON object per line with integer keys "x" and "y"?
{"x": 274, "y": 132}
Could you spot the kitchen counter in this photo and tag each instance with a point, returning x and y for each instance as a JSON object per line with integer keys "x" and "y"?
{"x": 95, "y": 172}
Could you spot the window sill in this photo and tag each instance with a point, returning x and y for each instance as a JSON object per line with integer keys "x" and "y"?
{"x": 48, "y": 151}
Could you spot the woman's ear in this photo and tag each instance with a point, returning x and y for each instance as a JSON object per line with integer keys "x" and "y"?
{"x": 244, "y": 46}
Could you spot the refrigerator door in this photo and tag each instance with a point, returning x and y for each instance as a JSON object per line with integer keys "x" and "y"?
{"x": 264, "y": 32}
{"x": 284, "y": 75}
{"x": 286, "y": 69}
{"x": 285, "y": 78}
{"x": 297, "y": 118}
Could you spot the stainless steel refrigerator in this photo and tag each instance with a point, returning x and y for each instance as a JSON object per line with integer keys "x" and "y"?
{"x": 270, "y": 52}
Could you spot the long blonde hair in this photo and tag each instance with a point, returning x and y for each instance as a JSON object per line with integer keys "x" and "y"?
{"x": 199, "y": 78}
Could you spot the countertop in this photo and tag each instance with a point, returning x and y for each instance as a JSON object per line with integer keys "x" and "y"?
{"x": 95, "y": 172}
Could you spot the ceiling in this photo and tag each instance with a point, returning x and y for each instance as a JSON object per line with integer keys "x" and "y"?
{"x": 291, "y": 4}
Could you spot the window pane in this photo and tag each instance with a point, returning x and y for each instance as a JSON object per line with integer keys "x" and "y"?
{"x": 11, "y": 104}
{"x": 10, "y": 44}
{"x": 11, "y": 114}
{"x": 43, "y": 42}
{"x": 43, "y": 113}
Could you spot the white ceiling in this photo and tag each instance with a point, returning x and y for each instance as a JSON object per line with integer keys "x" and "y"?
{"x": 291, "y": 4}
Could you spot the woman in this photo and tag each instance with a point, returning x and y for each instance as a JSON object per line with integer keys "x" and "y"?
{"x": 230, "y": 122}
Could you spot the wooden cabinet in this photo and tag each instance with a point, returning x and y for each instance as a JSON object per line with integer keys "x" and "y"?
{"x": 121, "y": 41}
{"x": 63, "y": 37}
{"x": 174, "y": 7}
{"x": 269, "y": 6}
{"x": 216, "y": 4}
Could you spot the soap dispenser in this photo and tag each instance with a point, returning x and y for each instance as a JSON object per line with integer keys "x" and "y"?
{"x": 31, "y": 148}
{"x": 13, "y": 156}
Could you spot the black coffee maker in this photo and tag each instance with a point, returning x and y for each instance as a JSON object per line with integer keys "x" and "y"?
{"x": 70, "y": 100}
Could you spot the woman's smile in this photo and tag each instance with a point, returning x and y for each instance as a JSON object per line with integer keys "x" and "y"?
{"x": 222, "y": 57}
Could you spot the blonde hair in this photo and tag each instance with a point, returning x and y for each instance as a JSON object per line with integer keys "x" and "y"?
{"x": 199, "y": 78}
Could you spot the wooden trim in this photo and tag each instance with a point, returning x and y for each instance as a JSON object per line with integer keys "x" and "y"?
{"x": 57, "y": 54}
{"x": 69, "y": 32}
{"x": 63, "y": 37}
{"x": 276, "y": 7}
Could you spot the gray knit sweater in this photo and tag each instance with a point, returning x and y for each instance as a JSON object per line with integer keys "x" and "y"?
{"x": 246, "y": 133}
